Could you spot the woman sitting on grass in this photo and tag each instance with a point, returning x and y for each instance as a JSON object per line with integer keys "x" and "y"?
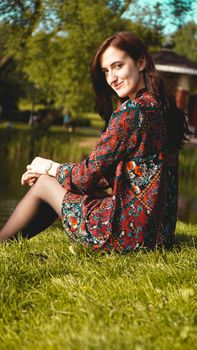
{"x": 136, "y": 157}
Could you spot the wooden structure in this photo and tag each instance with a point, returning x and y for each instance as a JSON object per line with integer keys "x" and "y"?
{"x": 180, "y": 75}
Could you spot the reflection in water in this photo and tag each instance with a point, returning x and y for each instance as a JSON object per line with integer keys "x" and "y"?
{"x": 10, "y": 188}
{"x": 6, "y": 208}
{"x": 11, "y": 191}
{"x": 187, "y": 209}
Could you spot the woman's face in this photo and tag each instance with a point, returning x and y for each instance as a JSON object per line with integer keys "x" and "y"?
{"x": 122, "y": 72}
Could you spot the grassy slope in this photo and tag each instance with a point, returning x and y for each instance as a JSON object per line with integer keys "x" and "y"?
{"x": 55, "y": 295}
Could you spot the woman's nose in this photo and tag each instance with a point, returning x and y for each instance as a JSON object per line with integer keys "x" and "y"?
{"x": 112, "y": 77}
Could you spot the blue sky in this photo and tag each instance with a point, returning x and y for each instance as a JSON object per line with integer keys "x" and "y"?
{"x": 169, "y": 28}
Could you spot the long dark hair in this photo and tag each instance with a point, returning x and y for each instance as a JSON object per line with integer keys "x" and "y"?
{"x": 135, "y": 48}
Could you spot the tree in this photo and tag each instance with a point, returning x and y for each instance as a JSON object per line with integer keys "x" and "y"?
{"x": 179, "y": 10}
{"x": 185, "y": 40}
{"x": 18, "y": 21}
{"x": 53, "y": 43}
{"x": 86, "y": 23}
{"x": 149, "y": 16}
{"x": 163, "y": 13}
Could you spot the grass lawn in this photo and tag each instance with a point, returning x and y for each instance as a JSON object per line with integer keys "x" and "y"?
{"x": 95, "y": 122}
{"x": 58, "y": 295}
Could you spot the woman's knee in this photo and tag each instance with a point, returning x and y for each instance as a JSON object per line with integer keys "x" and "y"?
{"x": 42, "y": 184}
{"x": 48, "y": 189}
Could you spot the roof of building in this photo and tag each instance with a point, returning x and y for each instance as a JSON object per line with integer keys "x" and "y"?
{"x": 169, "y": 61}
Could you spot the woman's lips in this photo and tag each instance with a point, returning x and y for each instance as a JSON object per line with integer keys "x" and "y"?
{"x": 117, "y": 86}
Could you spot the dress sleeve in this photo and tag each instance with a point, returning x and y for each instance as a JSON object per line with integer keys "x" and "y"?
{"x": 114, "y": 144}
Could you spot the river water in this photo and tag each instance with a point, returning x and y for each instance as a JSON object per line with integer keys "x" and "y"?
{"x": 11, "y": 191}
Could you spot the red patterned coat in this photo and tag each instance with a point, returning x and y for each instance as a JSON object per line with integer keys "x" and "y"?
{"x": 132, "y": 159}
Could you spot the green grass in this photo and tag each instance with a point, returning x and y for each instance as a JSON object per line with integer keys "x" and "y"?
{"x": 58, "y": 295}
{"x": 95, "y": 120}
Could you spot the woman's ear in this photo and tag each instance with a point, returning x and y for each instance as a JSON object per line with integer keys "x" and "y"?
{"x": 141, "y": 63}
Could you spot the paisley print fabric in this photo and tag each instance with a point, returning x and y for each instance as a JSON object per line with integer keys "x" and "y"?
{"x": 131, "y": 158}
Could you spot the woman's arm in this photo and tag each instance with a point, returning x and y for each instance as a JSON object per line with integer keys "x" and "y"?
{"x": 119, "y": 139}
{"x": 117, "y": 142}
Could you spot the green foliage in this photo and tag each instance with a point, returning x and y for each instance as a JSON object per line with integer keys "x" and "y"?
{"x": 179, "y": 10}
{"x": 58, "y": 62}
{"x": 10, "y": 87}
{"x": 50, "y": 44}
{"x": 57, "y": 295}
{"x": 149, "y": 16}
{"x": 20, "y": 12}
{"x": 44, "y": 59}
{"x": 19, "y": 20}
{"x": 185, "y": 40}
{"x": 151, "y": 36}
{"x": 56, "y": 41}
{"x": 158, "y": 16}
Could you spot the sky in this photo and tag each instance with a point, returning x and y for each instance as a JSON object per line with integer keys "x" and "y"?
{"x": 169, "y": 28}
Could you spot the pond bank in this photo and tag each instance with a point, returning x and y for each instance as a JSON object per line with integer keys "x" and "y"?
{"x": 20, "y": 146}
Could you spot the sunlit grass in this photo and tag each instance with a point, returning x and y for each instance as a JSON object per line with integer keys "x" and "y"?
{"x": 95, "y": 119}
{"x": 59, "y": 295}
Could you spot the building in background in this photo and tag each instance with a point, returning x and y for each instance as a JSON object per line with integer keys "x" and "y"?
{"x": 180, "y": 76}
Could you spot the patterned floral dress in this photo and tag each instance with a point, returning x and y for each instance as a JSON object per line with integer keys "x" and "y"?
{"x": 132, "y": 159}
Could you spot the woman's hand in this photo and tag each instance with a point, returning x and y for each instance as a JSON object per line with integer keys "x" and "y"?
{"x": 29, "y": 178}
{"x": 39, "y": 166}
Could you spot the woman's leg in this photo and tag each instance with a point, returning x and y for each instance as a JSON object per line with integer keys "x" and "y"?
{"x": 44, "y": 218}
{"x": 37, "y": 210}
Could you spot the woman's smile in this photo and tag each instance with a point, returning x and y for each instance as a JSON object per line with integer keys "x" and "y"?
{"x": 122, "y": 72}
{"x": 117, "y": 86}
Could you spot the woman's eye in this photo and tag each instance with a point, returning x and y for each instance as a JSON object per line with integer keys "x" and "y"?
{"x": 118, "y": 66}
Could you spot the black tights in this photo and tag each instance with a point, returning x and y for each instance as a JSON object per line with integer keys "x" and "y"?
{"x": 38, "y": 209}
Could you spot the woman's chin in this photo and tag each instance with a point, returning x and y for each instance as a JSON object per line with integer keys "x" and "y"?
{"x": 121, "y": 95}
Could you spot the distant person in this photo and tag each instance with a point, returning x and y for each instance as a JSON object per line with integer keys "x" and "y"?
{"x": 67, "y": 118}
{"x": 34, "y": 119}
{"x": 9, "y": 125}
{"x": 69, "y": 124}
{"x": 136, "y": 157}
